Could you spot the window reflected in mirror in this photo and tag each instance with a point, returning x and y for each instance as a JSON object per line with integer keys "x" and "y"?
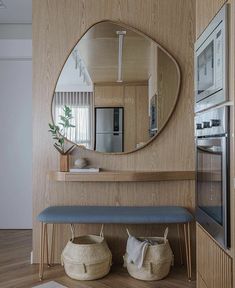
{"x": 121, "y": 87}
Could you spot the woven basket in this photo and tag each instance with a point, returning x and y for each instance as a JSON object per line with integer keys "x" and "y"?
{"x": 86, "y": 258}
{"x": 157, "y": 261}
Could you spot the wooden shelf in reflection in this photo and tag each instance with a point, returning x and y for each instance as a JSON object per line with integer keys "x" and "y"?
{"x": 122, "y": 176}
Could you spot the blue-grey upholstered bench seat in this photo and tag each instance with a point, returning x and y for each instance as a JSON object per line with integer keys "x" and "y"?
{"x": 115, "y": 214}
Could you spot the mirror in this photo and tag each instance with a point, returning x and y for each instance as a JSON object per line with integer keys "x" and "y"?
{"x": 121, "y": 86}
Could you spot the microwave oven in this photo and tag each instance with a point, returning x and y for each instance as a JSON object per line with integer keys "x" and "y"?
{"x": 211, "y": 63}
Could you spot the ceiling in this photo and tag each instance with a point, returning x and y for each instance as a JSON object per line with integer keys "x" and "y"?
{"x": 16, "y": 12}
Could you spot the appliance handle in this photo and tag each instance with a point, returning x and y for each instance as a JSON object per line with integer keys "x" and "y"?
{"x": 210, "y": 149}
{"x": 212, "y": 145}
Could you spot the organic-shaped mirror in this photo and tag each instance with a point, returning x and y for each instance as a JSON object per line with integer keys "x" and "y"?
{"x": 121, "y": 86}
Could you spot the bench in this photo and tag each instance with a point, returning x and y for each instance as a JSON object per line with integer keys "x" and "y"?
{"x": 113, "y": 215}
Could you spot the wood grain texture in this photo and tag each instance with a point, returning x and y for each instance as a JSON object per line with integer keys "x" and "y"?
{"x": 108, "y": 96}
{"x": 200, "y": 282}
{"x": 57, "y": 26}
{"x": 142, "y": 115}
{"x": 130, "y": 125}
{"x": 122, "y": 176}
{"x": 167, "y": 83}
{"x": 205, "y": 12}
{"x": 214, "y": 266}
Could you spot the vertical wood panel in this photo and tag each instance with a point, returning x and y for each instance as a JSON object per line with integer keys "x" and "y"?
{"x": 200, "y": 282}
{"x": 142, "y": 115}
{"x": 214, "y": 266}
{"x": 130, "y": 117}
{"x": 108, "y": 96}
{"x": 57, "y": 26}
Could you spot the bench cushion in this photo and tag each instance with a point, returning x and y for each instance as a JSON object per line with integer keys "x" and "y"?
{"x": 115, "y": 214}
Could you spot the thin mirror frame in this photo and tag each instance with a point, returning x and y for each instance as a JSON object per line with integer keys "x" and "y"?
{"x": 171, "y": 110}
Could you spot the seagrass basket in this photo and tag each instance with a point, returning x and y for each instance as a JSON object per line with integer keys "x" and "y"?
{"x": 157, "y": 261}
{"x": 86, "y": 257}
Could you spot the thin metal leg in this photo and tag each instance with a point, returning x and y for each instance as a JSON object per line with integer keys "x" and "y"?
{"x": 42, "y": 241}
{"x": 40, "y": 258}
{"x": 180, "y": 245}
{"x": 52, "y": 245}
{"x": 46, "y": 240}
{"x": 186, "y": 249}
{"x": 189, "y": 253}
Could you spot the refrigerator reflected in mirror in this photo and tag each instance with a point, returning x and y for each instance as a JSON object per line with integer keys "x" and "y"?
{"x": 109, "y": 129}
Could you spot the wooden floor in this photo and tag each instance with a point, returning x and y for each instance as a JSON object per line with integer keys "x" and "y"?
{"x": 16, "y": 271}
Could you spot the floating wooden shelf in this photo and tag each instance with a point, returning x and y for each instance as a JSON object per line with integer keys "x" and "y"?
{"x": 122, "y": 176}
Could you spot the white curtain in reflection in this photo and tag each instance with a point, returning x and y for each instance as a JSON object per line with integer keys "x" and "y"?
{"x": 81, "y": 104}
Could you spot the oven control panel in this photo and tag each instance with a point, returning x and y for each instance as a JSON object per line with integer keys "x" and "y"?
{"x": 212, "y": 122}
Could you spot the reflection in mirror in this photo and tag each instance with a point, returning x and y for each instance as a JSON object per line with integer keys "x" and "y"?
{"x": 121, "y": 86}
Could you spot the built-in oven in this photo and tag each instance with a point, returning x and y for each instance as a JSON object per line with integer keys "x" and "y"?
{"x": 211, "y": 63}
{"x": 212, "y": 181}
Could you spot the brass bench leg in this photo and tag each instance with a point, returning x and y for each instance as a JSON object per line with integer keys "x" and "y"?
{"x": 43, "y": 241}
{"x": 52, "y": 245}
{"x": 189, "y": 253}
{"x": 180, "y": 245}
{"x": 42, "y": 237}
{"x": 188, "y": 249}
{"x": 46, "y": 240}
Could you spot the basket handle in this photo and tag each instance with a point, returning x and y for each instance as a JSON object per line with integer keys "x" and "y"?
{"x": 166, "y": 234}
{"x": 72, "y": 228}
{"x": 128, "y": 233}
{"x": 84, "y": 267}
{"x": 102, "y": 231}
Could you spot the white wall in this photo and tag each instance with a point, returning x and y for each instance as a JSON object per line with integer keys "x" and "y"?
{"x": 15, "y": 130}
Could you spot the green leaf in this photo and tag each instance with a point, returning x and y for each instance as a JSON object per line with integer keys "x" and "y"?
{"x": 63, "y": 118}
{"x": 51, "y": 126}
{"x": 59, "y": 131}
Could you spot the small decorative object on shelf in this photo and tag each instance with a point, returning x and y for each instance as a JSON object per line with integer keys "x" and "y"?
{"x": 80, "y": 163}
{"x": 59, "y": 133}
{"x": 64, "y": 162}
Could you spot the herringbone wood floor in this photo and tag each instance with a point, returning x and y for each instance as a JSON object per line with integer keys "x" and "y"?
{"x": 16, "y": 271}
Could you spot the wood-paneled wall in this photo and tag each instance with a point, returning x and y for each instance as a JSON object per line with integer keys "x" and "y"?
{"x": 57, "y": 26}
{"x": 205, "y": 12}
{"x": 214, "y": 266}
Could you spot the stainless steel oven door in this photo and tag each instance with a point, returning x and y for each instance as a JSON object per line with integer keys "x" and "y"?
{"x": 212, "y": 210}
